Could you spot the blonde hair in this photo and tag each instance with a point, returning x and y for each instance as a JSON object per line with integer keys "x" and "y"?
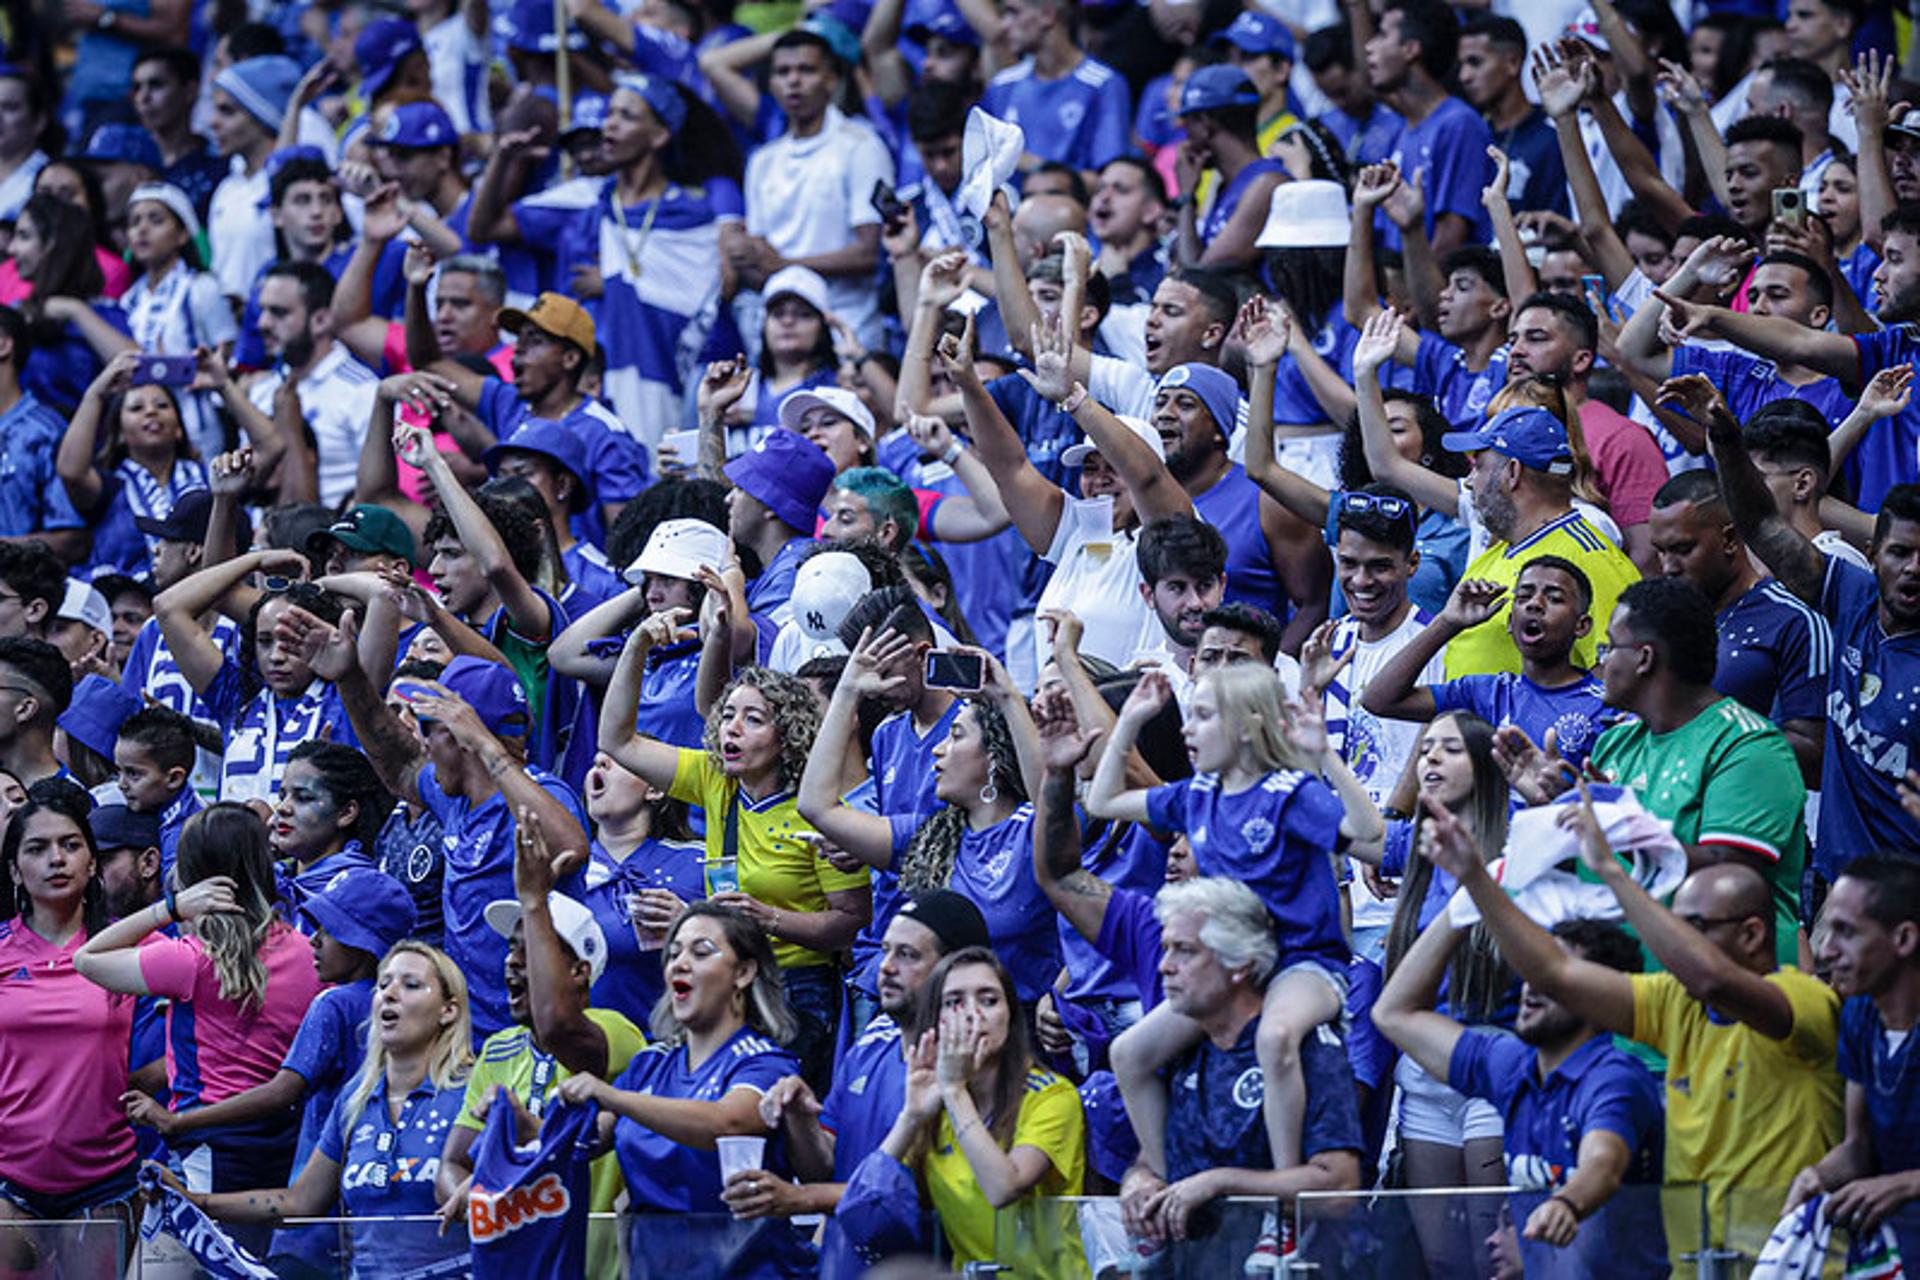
{"x": 451, "y": 1057}
{"x": 1548, "y": 394}
{"x": 1254, "y": 707}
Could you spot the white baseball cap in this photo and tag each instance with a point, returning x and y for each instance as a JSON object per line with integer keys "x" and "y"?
{"x": 573, "y": 922}
{"x": 1076, "y": 454}
{"x": 84, "y": 603}
{"x": 838, "y": 399}
{"x": 803, "y": 283}
{"x": 1307, "y": 215}
{"x": 825, "y": 589}
{"x": 677, "y": 549}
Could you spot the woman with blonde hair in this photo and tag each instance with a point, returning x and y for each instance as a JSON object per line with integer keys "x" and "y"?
{"x": 1270, "y": 804}
{"x": 238, "y": 983}
{"x": 1541, "y": 392}
{"x": 380, "y": 1149}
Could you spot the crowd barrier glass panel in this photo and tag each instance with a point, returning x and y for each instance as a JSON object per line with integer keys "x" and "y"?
{"x": 34, "y": 1250}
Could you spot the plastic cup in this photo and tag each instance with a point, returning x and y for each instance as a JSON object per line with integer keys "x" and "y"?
{"x": 738, "y": 1153}
{"x": 723, "y": 876}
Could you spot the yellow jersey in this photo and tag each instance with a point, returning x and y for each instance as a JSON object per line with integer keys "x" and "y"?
{"x": 1051, "y": 1122}
{"x": 1488, "y": 649}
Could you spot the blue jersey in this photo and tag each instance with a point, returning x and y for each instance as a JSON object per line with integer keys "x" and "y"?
{"x": 994, "y": 870}
{"x": 1889, "y": 454}
{"x": 1227, "y": 202}
{"x": 869, "y": 1087}
{"x": 408, "y": 849}
{"x": 32, "y": 499}
{"x": 1750, "y": 383}
{"x": 633, "y": 982}
{"x": 902, "y": 763}
{"x": 297, "y": 886}
{"x": 1775, "y": 654}
{"x": 1233, "y": 507}
{"x": 1277, "y": 837}
{"x": 387, "y": 1169}
{"x": 527, "y": 1215}
{"x": 326, "y": 1052}
{"x": 1599, "y": 1088}
{"x": 1575, "y": 712}
{"x": 263, "y": 729}
{"x": 173, "y": 820}
{"x": 1080, "y": 119}
{"x": 1215, "y": 1098}
{"x": 1461, "y": 395}
{"x": 1537, "y": 177}
{"x": 667, "y": 709}
{"x": 1294, "y": 404}
{"x": 615, "y": 459}
{"x": 1448, "y": 153}
{"x": 1871, "y": 735}
{"x": 59, "y": 371}
{"x": 1885, "y": 1073}
{"x": 1858, "y": 268}
{"x": 664, "y": 1176}
{"x": 476, "y": 844}
{"x": 152, "y": 669}
{"x": 592, "y": 581}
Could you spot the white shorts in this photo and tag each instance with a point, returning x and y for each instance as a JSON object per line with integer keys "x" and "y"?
{"x": 1431, "y": 1111}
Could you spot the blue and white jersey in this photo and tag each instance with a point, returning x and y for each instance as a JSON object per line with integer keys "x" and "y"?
{"x": 1080, "y": 119}
{"x": 387, "y": 1169}
{"x": 664, "y": 1175}
{"x": 1277, "y": 837}
{"x": 1376, "y": 748}
{"x": 592, "y": 579}
{"x": 1775, "y": 654}
{"x": 263, "y": 728}
{"x": 152, "y": 669}
{"x": 633, "y": 981}
{"x": 1575, "y": 712}
{"x": 527, "y": 1214}
{"x": 127, "y": 492}
{"x": 902, "y": 762}
{"x": 1873, "y": 699}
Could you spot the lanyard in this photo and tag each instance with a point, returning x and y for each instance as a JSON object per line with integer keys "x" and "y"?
{"x": 379, "y": 1170}
{"x": 634, "y": 248}
{"x": 543, "y": 1072}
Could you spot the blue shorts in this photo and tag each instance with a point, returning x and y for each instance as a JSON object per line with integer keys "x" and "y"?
{"x": 115, "y": 1188}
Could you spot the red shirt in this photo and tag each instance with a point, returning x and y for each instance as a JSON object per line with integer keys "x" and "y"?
{"x": 1628, "y": 461}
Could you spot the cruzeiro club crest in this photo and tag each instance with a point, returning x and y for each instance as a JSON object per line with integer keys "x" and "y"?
{"x": 1869, "y": 687}
{"x": 1249, "y": 1091}
{"x": 1257, "y": 832}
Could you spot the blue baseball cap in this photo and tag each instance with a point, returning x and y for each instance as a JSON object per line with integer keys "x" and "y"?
{"x": 1215, "y": 387}
{"x": 124, "y": 144}
{"x": 589, "y": 114}
{"x": 380, "y": 49}
{"x": 556, "y": 442}
{"x": 97, "y": 710}
{"x": 528, "y": 27}
{"x": 1215, "y": 87}
{"x": 661, "y": 98}
{"x": 946, "y": 24}
{"x": 418, "y": 125}
{"x": 489, "y": 688}
{"x": 364, "y": 909}
{"x": 115, "y": 826}
{"x": 786, "y": 472}
{"x": 1530, "y": 435}
{"x": 1256, "y": 34}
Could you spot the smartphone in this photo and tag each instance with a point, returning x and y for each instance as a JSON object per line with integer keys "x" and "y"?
{"x": 1790, "y": 206}
{"x": 685, "y": 446}
{"x": 892, "y": 210}
{"x": 164, "y": 371}
{"x": 1596, "y": 286}
{"x": 960, "y": 672}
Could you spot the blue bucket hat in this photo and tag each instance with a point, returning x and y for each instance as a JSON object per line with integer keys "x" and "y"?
{"x": 556, "y": 442}
{"x": 1534, "y": 437}
{"x": 364, "y": 909}
{"x": 489, "y": 688}
{"x": 98, "y": 708}
{"x": 124, "y": 144}
{"x": 788, "y": 473}
{"x": 1215, "y": 387}
{"x": 661, "y": 97}
{"x": 262, "y": 86}
{"x": 382, "y": 46}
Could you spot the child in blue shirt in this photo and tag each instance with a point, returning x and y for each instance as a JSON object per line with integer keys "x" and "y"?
{"x": 1551, "y": 700}
{"x": 1257, "y": 810}
{"x": 153, "y": 759}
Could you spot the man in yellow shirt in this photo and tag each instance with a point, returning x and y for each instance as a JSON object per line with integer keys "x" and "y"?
{"x": 1753, "y": 1091}
{"x": 1521, "y": 489}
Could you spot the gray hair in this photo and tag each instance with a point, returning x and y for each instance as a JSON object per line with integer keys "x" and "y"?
{"x": 1238, "y": 929}
{"x": 490, "y": 274}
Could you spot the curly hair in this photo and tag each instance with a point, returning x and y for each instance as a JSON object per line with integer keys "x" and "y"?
{"x": 928, "y": 861}
{"x": 796, "y": 713}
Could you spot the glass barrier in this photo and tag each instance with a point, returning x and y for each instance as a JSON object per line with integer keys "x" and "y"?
{"x": 35, "y": 1250}
{"x": 1087, "y": 1239}
{"x": 1747, "y": 1218}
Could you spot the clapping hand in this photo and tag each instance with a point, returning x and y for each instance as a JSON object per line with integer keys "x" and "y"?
{"x": 1264, "y": 332}
{"x": 1537, "y": 772}
{"x": 1064, "y": 745}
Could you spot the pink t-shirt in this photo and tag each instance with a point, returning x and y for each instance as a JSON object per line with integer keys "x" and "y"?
{"x": 216, "y": 1048}
{"x": 395, "y": 355}
{"x": 1629, "y": 462}
{"x": 63, "y": 1066}
{"x": 118, "y": 275}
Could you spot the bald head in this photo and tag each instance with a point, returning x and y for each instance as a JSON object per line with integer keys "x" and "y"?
{"x": 1039, "y": 219}
{"x": 1733, "y": 905}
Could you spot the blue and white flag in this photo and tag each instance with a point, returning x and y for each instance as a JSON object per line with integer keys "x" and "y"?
{"x": 170, "y": 1213}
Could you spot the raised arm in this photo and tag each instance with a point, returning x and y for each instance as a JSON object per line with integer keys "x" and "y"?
{"x": 1033, "y": 502}
{"x": 979, "y": 515}
{"x": 1787, "y": 552}
{"x": 490, "y": 217}
{"x": 1718, "y": 264}
{"x": 396, "y": 754}
{"x": 557, "y": 1001}
{"x": 1107, "y": 795}
{"x": 1561, "y": 90}
{"x": 726, "y": 69}
{"x": 1395, "y": 691}
{"x": 1430, "y": 489}
{"x": 568, "y": 653}
{"x": 1870, "y": 82}
{"x": 527, "y": 613}
{"x": 1079, "y": 896}
{"x": 73, "y": 463}
{"x": 651, "y": 759}
{"x": 180, "y": 607}
{"x": 867, "y": 836}
{"x": 1887, "y": 395}
{"x": 1264, "y": 333}
{"x": 1515, "y": 267}
{"x": 1637, "y": 166}
{"x": 1769, "y": 337}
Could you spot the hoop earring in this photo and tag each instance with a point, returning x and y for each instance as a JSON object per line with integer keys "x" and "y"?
{"x": 989, "y": 793}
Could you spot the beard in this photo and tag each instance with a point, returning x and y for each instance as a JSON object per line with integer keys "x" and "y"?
{"x": 1902, "y": 306}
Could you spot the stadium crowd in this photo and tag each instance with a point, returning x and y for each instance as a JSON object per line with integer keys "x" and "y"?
{"x": 840, "y": 622}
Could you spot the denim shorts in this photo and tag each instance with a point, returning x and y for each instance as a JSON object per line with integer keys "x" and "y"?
{"x": 115, "y": 1188}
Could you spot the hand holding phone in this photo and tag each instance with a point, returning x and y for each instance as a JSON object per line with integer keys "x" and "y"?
{"x": 164, "y": 371}
{"x": 954, "y": 670}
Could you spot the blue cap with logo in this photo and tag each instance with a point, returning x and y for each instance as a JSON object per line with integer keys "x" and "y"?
{"x": 418, "y": 126}
{"x": 1258, "y": 33}
{"x": 98, "y": 708}
{"x": 364, "y": 909}
{"x": 1215, "y": 387}
{"x": 382, "y": 46}
{"x": 589, "y": 114}
{"x": 493, "y": 691}
{"x": 1216, "y": 88}
{"x": 1530, "y": 435}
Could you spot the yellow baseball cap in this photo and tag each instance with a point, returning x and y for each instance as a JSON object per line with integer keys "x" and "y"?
{"x": 554, "y": 314}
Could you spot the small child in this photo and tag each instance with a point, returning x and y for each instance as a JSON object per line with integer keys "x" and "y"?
{"x": 1555, "y": 703}
{"x": 1256, "y": 810}
{"x": 153, "y": 757}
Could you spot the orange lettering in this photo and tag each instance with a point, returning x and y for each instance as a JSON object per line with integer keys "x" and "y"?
{"x": 492, "y": 1214}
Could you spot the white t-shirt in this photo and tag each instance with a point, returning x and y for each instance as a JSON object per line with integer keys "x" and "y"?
{"x": 806, "y": 196}
{"x": 240, "y": 231}
{"x": 1097, "y": 577}
{"x": 336, "y": 398}
{"x": 458, "y": 60}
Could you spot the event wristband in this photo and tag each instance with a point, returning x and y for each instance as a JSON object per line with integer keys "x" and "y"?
{"x": 952, "y": 455}
{"x": 1075, "y": 398}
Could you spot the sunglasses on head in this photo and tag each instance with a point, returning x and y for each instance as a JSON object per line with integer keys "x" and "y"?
{"x": 1386, "y": 504}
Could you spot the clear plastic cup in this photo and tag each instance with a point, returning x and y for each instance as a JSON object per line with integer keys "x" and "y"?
{"x": 738, "y": 1153}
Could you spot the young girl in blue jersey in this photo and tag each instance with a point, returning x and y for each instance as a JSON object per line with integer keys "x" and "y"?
{"x": 1257, "y": 810}
{"x": 380, "y": 1148}
{"x": 978, "y": 842}
{"x": 717, "y": 1035}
